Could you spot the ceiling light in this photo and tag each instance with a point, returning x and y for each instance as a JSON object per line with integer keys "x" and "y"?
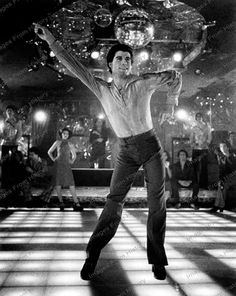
{"x": 95, "y": 54}
{"x": 177, "y": 56}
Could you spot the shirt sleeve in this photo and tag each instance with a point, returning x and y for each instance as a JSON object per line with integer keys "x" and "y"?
{"x": 172, "y": 79}
{"x": 76, "y": 68}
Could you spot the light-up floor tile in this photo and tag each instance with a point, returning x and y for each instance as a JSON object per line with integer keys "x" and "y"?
{"x": 187, "y": 276}
{"x": 229, "y": 252}
{"x": 22, "y": 291}
{"x": 155, "y": 289}
{"x": 32, "y": 266}
{"x": 71, "y": 240}
{"x": 7, "y": 265}
{"x": 7, "y": 255}
{"x": 142, "y": 276}
{"x": 66, "y": 265}
{"x": 3, "y": 277}
{"x": 70, "y": 291}
{"x": 180, "y": 264}
{"x": 16, "y": 240}
{"x": 136, "y": 264}
{"x": 65, "y": 255}
{"x": 224, "y": 239}
{"x": 36, "y": 255}
{"x": 65, "y": 279}
{"x": 26, "y": 279}
{"x": 206, "y": 289}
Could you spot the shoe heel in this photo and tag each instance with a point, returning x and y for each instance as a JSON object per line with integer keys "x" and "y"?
{"x": 78, "y": 208}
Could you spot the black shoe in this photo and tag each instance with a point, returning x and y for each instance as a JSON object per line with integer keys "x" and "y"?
{"x": 178, "y": 205}
{"x": 87, "y": 271}
{"x": 194, "y": 206}
{"x": 62, "y": 206}
{"x": 29, "y": 204}
{"x": 40, "y": 203}
{"x": 159, "y": 272}
{"x": 77, "y": 207}
{"x": 215, "y": 209}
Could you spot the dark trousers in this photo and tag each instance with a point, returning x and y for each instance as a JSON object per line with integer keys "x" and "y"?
{"x": 200, "y": 161}
{"x": 8, "y": 168}
{"x": 175, "y": 186}
{"x": 143, "y": 149}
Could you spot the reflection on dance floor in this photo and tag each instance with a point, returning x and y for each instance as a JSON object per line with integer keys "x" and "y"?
{"x": 42, "y": 252}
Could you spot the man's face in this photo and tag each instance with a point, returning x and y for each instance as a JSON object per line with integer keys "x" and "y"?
{"x": 65, "y": 135}
{"x": 198, "y": 117}
{"x": 182, "y": 156}
{"x": 121, "y": 63}
{"x": 99, "y": 123}
{"x": 32, "y": 155}
{"x": 9, "y": 112}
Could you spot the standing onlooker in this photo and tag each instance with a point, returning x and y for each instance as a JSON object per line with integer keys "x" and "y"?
{"x": 12, "y": 133}
{"x": 200, "y": 138}
{"x": 232, "y": 142}
{"x": 39, "y": 175}
{"x": 98, "y": 138}
{"x": 227, "y": 163}
{"x": 63, "y": 176}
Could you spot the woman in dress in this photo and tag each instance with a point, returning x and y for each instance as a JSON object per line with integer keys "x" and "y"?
{"x": 63, "y": 176}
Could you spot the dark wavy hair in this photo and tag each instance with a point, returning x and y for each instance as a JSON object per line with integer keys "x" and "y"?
{"x": 34, "y": 150}
{"x": 12, "y": 107}
{"x": 113, "y": 50}
{"x": 198, "y": 114}
{"x": 182, "y": 150}
{"x": 95, "y": 123}
{"x": 65, "y": 129}
{"x": 168, "y": 154}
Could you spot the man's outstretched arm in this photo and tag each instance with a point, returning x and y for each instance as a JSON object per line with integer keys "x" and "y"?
{"x": 175, "y": 85}
{"x": 67, "y": 59}
{"x": 173, "y": 80}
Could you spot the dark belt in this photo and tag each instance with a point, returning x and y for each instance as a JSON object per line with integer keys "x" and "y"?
{"x": 136, "y": 138}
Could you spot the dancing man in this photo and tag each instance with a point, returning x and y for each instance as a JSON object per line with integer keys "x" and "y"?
{"x": 126, "y": 101}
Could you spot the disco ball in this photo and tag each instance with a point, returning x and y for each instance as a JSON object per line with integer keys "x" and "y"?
{"x": 134, "y": 28}
{"x": 103, "y": 17}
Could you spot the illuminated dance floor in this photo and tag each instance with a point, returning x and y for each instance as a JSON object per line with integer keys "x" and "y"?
{"x": 43, "y": 250}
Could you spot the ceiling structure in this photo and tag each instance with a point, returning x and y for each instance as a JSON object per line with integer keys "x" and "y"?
{"x": 210, "y": 56}
{"x": 154, "y": 29}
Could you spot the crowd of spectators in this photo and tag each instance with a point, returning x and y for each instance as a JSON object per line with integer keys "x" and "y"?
{"x": 184, "y": 174}
{"x": 21, "y": 174}
{"x": 212, "y": 166}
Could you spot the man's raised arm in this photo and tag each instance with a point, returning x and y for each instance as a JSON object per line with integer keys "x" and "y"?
{"x": 173, "y": 80}
{"x": 72, "y": 64}
{"x": 175, "y": 85}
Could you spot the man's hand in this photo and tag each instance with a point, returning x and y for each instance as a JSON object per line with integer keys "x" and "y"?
{"x": 168, "y": 114}
{"x": 44, "y": 33}
{"x": 29, "y": 170}
{"x": 167, "y": 164}
{"x": 100, "y": 140}
{"x": 184, "y": 183}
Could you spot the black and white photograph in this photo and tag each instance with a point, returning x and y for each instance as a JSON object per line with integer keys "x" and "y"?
{"x": 117, "y": 147}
